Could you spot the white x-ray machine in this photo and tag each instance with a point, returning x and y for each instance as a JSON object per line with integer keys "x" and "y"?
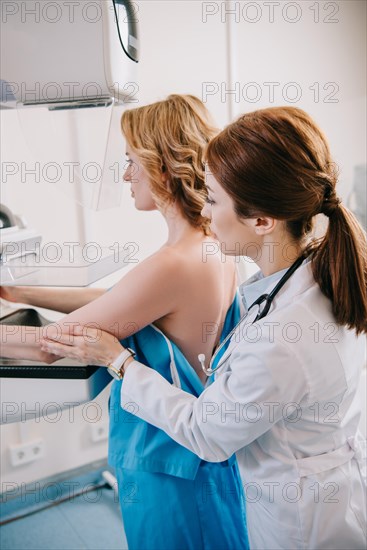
{"x": 66, "y": 68}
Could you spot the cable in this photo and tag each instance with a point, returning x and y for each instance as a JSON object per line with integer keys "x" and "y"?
{"x": 57, "y": 502}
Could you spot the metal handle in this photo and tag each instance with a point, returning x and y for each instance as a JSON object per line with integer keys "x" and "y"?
{"x": 132, "y": 49}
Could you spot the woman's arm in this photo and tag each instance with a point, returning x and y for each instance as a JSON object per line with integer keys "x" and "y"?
{"x": 147, "y": 293}
{"x": 265, "y": 379}
{"x": 65, "y": 300}
{"x": 240, "y": 406}
{"x": 144, "y": 295}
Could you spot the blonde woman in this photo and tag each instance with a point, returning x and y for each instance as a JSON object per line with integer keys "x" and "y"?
{"x": 170, "y": 498}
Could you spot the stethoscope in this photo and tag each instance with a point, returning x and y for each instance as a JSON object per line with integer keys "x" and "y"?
{"x": 268, "y": 299}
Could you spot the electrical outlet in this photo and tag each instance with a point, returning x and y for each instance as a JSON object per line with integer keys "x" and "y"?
{"x": 27, "y": 452}
{"x": 99, "y": 431}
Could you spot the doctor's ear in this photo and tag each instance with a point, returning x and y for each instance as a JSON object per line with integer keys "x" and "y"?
{"x": 264, "y": 225}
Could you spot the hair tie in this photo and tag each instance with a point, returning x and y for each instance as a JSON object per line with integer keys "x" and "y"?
{"x": 330, "y": 205}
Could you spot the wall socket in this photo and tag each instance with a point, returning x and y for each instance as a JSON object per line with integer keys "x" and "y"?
{"x": 99, "y": 431}
{"x": 27, "y": 452}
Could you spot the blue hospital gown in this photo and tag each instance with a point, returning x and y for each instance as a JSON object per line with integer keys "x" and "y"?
{"x": 171, "y": 499}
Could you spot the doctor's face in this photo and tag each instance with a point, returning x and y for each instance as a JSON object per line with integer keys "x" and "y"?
{"x": 138, "y": 178}
{"x": 234, "y": 234}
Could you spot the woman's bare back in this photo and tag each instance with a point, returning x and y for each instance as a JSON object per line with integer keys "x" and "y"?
{"x": 207, "y": 283}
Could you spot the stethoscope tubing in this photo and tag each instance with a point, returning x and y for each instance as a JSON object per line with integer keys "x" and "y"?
{"x": 268, "y": 298}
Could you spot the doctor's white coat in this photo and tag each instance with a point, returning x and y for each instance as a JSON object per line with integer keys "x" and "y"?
{"x": 285, "y": 402}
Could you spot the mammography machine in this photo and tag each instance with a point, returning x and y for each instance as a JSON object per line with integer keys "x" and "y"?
{"x": 67, "y": 68}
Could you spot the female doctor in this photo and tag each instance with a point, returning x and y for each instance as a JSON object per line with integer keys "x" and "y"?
{"x": 284, "y": 396}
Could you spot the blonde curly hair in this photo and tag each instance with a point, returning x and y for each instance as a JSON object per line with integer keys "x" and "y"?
{"x": 170, "y": 136}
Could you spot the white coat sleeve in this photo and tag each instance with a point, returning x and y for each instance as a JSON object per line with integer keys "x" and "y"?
{"x": 263, "y": 382}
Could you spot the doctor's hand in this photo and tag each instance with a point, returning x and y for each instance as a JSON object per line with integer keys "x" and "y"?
{"x": 87, "y": 345}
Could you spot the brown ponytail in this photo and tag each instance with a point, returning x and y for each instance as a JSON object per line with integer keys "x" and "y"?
{"x": 276, "y": 162}
{"x": 340, "y": 267}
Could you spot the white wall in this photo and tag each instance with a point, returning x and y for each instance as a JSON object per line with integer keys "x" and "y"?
{"x": 325, "y": 61}
{"x": 179, "y": 52}
{"x": 184, "y": 50}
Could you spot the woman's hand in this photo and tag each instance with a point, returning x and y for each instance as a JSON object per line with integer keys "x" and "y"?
{"x": 12, "y": 293}
{"x": 85, "y": 344}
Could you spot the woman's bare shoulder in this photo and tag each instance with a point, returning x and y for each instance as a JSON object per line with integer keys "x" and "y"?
{"x": 188, "y": 268}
